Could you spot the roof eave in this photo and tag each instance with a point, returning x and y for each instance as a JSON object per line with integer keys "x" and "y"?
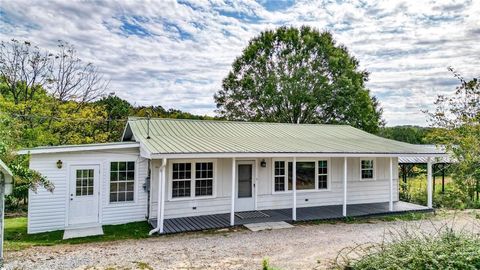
{"x": 79, "y": 148}
{"x": 288, "y": 155}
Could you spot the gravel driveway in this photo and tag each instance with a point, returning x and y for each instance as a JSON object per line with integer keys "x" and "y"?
{"x": 307, "y": 246}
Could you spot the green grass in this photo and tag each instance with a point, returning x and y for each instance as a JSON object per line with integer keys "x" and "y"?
{"x": 16, "y": 237}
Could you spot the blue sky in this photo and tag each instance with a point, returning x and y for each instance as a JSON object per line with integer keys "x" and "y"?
{"x": 175, "y": 54}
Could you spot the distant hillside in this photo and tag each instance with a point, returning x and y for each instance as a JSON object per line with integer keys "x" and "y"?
{"x": 409, "y": 134}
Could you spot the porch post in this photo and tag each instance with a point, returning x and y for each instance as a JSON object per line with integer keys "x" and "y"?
{"x": 429, "y": 183}
{"x": 294, "y": 188}
{"x": 390, "y": 202}
{"x": 344, "y": 212}
{"x": 232, "y": 209}
{"x": 161, "y": 195}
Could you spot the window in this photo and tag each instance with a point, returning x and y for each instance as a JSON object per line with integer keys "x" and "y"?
{"x": 367, "y": 169}
{"x": 182, "y": 177}
{"x": 204, "y": 179}
{"x": 305, "y": 175}
{"x": 322, "y": 174}
{"x": 311, "y": 175}
{"x": 122, "y": 181}
{"x": 84, "y": 183}
{"x": 279, "y": 175}
{"x": 192, "y": 179}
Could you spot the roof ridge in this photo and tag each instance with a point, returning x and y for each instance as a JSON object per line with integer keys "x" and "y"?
{"x": 136, "y": 118}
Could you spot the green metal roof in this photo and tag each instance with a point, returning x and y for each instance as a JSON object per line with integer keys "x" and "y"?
{"x": 175, "y": 136}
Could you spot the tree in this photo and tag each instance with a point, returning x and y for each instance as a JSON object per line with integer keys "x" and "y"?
{"x": 298, "y": 76}
{"x": 409, "y": 134}
{"x": 456, "y": 120}
{"x": 73, "y": 79}
{"x": 23, "y": 68}
{"x": 117, "y": 111}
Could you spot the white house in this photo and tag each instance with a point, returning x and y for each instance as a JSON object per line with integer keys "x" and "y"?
{"x": 5, "y": 189}
{"x": 219, "y": 173}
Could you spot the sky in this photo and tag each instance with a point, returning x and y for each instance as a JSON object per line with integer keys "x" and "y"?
{"x": 175, "y": 54}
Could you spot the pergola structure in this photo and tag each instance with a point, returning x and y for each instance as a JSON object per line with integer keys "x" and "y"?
{"x": 439, "y": 164}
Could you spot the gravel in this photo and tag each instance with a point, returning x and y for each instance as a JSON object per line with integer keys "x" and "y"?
{"x": 307, "y": 246}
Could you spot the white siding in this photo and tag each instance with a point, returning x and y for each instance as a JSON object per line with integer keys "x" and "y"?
{"x": 358, "y": 191}
{"x": 47, "y": 211}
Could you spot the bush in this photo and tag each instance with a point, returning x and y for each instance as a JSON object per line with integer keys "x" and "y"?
{"x": 444, "y": 249}
{"x": 455, "y": 197}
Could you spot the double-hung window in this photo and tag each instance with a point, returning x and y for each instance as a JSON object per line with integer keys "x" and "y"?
{"x": 310, "y": 175}
{"x": 181, "y": 180}
{"x": 367, "y": 169}
{"x": 192, "y": 179}
{"x": 122, "y": 181}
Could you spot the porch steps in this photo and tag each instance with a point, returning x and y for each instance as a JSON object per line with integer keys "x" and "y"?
{"x": 255, "y": 227}
{"x": 82, "y": 232}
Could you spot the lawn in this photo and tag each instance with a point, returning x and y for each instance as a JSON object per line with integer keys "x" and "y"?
{"x": 16, "y": 237}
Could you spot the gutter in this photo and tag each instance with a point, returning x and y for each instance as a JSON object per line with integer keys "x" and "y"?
{"x": 159, "y": 197}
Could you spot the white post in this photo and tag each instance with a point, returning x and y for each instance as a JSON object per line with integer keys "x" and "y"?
{"x": 294, "y": 188}
{"x": 429, "y": 184}
{"x": 344, "y": 186}
{"x": 256, "y": 184}
{"x": 232, "y": 209}
{"x": 390, "y": 202}
{"x": 162, "y": 178}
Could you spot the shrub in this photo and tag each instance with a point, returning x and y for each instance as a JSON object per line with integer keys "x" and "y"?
{"x": 444, "y": 249}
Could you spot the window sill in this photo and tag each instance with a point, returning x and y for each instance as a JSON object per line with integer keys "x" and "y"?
{"x": 121, "y": 203}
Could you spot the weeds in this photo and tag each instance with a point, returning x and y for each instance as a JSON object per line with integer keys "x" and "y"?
{"x": 414, "y": 248}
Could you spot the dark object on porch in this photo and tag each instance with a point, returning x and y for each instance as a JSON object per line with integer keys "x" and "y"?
{"x": 217, "y": 221}
{"x": 251, "y": 214}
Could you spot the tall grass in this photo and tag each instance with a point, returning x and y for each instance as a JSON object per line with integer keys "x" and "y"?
{"x": 413, "y": 248}
{"x": 415, "y": 191}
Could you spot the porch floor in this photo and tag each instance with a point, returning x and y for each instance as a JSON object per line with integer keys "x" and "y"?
{"x": 217, "y": 221}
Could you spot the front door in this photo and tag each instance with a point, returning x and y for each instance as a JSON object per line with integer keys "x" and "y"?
{"x": 83, "y": 195}
{"x": 245, "y": 200}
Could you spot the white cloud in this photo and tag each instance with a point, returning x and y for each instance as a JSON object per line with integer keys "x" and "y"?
{"x": 176, "y": 54}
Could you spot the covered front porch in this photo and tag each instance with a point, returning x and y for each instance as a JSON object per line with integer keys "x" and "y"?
{"x": 330, "y": 212}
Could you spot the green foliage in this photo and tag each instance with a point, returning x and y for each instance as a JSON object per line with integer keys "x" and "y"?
{"x": 456, "y": 119}
{"x": 454, "y": 197}
{"x": 409, "y": 134}
{"x": 298, "y": 75}
{"x": 16, "y": 237}
{"x": 444, "y": 249}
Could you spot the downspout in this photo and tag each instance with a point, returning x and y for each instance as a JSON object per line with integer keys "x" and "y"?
{"x": 160, "y": 192}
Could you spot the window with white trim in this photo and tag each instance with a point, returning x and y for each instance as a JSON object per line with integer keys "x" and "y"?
{"x": 367, "y": 169}
{"x": 279, "y": 180}
{"x": 181, "y": 180}
{"x": 122, "y": 181}
{"x": 311, "y": 175}
{"x": 192, "y": 179}
{"x": 203, "y": 179}
{"x": 84, "y": 183}
{"x": 322, "y": 174}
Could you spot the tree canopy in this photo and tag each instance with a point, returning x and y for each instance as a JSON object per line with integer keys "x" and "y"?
{"x": 298, "y": 75}
{"x": 409, "y": 134}
{"x": 456, "y": 122}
